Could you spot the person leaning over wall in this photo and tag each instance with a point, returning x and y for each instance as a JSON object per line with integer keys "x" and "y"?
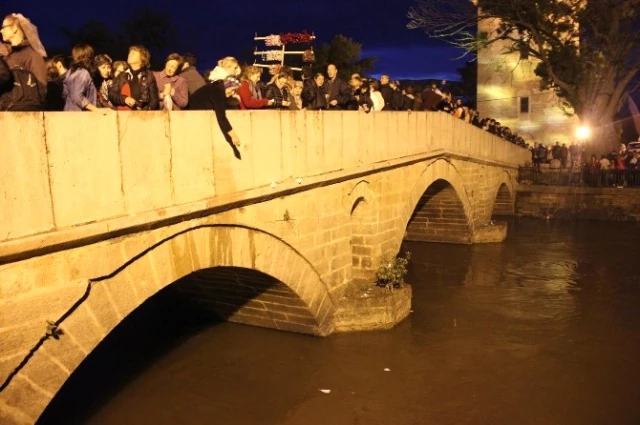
{"x": 212, "y": 96}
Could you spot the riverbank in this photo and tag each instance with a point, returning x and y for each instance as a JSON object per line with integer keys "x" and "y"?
{"x": 567, "y": 202}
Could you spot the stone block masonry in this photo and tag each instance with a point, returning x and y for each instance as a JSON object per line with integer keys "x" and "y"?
{"x": 90, "y": 231}
{"x": 555, "y": 202}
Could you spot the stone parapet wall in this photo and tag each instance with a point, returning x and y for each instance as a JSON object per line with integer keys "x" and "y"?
{"x": 67, "y": 170}
{"x": 555, "y": 202}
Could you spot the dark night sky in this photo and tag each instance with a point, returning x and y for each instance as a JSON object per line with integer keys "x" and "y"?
{"x": 217, "y": 28}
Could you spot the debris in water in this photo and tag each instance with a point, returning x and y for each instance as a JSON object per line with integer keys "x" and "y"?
{"x": 455, "y": 323}
{"x": 386, "y": 369}
{"x": 326, "y": 391}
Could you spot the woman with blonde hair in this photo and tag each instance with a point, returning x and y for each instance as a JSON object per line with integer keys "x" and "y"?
{"x": 249, "y": 92}
{"x": 119, "y": 67}
{"x": 227, "y": 67}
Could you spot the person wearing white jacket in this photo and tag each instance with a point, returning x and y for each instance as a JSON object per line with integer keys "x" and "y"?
{"x": 376, "y": 96}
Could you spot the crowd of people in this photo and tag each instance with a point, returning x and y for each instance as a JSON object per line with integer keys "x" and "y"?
{"x": 573, "y": 156}
{"x": 29, "y": 81}
{"x": 562, "y": 165}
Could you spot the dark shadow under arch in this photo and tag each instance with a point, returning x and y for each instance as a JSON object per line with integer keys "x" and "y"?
{"x": 503, "y": 204}
{"x": 249, "y": 297}
{"x": 155, "y": 328}
{"x": 162, "y": 323}
{"x": 439, "y": 216}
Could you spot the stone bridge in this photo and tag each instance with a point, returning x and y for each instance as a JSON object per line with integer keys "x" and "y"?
{"x": 100, "y": 211}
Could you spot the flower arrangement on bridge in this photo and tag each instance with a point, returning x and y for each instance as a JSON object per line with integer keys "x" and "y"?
{"x": 272, "y": 55}
{"x": 391, "y": 273}
{"x": 296, "y": 38}
{"x": 308, "y": 56}
{"x": 272, "y": 40}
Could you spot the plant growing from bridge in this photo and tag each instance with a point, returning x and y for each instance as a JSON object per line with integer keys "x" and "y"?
{"x": 391, "y": 273}
{"x": 53, "y": 330}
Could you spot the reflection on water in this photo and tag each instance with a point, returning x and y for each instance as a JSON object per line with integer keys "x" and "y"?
{"x": 542, "y": 329}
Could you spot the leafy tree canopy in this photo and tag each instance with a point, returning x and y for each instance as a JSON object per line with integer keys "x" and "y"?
{"x": 145, "y": 26}
{"x": 588, "y": 52}
{"x": 345, "y": 54}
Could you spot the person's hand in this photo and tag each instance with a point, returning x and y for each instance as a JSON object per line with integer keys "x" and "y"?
{"x": 271, "y": 102}
{"x": 235, "y": 140}
{"x": 333, "y": 103}
{"x": 286, "y": 103}
{"x": 130, "y": 102}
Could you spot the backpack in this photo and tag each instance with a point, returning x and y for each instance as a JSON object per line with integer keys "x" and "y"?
{"x": 23, "y": 93}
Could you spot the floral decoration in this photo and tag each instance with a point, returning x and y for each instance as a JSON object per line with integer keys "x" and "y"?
{"x": 272, "y": 55}
{"x": 273, "y": 40}
{"x": 296, "y": 38}
{"x": 308, "y": 56}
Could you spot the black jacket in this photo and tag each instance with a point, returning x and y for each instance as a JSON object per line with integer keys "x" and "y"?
{"x": 313, "y": 97}
{"x": 209, "y": 97}
{"x": 339, "y": 91}
{"x": 387, "y": 94}
{"x": 143, "y": 89}
{"x": 5, "y": 75}
{"x": 278, "y": 95}
{"x": 360, "y": 98}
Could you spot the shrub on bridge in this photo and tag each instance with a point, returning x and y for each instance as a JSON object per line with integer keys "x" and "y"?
{"x": 391, "y": 273}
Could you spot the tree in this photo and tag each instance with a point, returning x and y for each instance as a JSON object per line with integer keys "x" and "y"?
{"x": 469, "y": 81}
{"x": 345, "y": 54}
{"x": 588, "y": 51}
{"x": 98, "y": 35}
{"x": 150, "y": 28}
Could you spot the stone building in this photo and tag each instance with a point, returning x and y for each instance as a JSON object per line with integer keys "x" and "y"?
{"x": 509, "y": 91}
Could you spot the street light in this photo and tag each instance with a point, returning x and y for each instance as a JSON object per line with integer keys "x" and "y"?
{"x": 583, "y": 132}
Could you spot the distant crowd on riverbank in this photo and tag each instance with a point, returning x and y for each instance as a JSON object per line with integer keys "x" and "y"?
{"x": 30, "y": 81}
{"x": 573, "y": 156}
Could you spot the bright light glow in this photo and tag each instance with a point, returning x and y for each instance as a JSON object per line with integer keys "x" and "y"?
{"x": 583, "y": 132}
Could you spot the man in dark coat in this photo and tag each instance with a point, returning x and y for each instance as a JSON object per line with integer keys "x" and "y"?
{"x": 336, "y": 91}
{"x": 387, "y": 92}
{"x": 191, "y": 74}
{"x": 5, "y": 75}
{"x": 431, "y": 97}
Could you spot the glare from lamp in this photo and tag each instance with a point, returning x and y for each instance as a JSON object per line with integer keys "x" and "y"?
{"x": 583, "y": 132}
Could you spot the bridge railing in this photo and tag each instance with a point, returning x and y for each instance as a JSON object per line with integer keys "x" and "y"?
{"x": 68, "y": 170}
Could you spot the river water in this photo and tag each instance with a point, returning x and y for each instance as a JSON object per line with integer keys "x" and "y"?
{"x": 541, "y": 329}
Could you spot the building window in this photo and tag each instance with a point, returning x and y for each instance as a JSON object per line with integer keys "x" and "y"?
{"x": 524, "y": 105}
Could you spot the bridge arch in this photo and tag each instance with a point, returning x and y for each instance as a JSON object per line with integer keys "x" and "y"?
{"x": 504, "y": 199}
{"x": 438, "y": 208}
{"x": 287, "y": 291}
